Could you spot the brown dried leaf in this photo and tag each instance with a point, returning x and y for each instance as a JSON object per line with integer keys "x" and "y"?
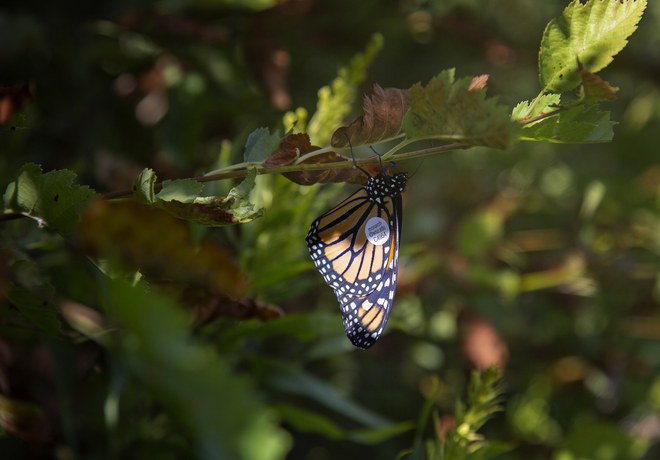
{"x": 296, "y": 145}
{"x": 596, "y": 89}
{"x": 383, "y": 114}
{"x": 145, "y": 238}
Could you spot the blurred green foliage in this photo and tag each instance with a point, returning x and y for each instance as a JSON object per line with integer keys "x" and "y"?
{"x": 543, "y": 259}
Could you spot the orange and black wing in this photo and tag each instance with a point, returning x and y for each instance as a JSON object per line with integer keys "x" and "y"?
{"x": 361, "y": 273}
{"x": 365, "y": 316}
{"x": 349, "y": 263}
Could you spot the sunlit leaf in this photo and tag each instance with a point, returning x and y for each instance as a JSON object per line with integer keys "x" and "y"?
{"x": 382, "y": 117}
{"x": 213, "y": 211}
{"x": 182, "y": 190}
{"x": 544, "y": 104}
{"x": 143, "y": 188}
{"x": 591, "y": 33}
{"x": 457, "y": 111}
{"x": 51, "y": 198}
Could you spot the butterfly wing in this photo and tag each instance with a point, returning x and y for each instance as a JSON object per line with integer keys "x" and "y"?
{"x": 349, "y": 263}
{"x": 362, "y": 274}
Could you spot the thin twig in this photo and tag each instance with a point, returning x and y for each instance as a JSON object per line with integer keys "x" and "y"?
{"x": 301, "y": 167}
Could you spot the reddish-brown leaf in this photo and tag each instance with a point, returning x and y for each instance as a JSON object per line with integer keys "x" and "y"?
{"x": 478, "y": 82}
{"x": 12, "y": 100}
{"x": 383, "y": 114}
{"x": 296, "y": 145}
{"x": 596, "y": 89}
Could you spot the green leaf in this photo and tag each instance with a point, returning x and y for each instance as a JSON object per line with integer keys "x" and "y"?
{"x": 212, "y": 211}
{"x": 541, "y": 105}
{"x": 38, "y": 312}
{"x": 143, "y": 188}
{"x": 591, "y": 33}
{"x": 51, "y": 199}
{"x": 218, "y": 408}
{"x": 260, "y": 144}
{"x": 457, "y": 111}
{"x": 183, "y": 190}
{"x": 577, "y": 125}
{"x": 379, "y": 435}
{"x": 297, "y": 382}
{"x": 480, "y": 231}
{"x": 302, "y": 327}
{"x": 601, "y": 440}
{"x": 483, "y": 394}
{"x": 309, "y": 422}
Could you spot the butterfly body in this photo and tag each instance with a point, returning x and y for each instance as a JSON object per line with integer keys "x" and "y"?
{"x": 355, "y": 247}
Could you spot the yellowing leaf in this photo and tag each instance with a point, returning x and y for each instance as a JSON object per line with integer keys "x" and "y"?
{"x": 526, "y": 110}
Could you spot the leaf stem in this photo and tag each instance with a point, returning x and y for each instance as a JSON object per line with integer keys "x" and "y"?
{"x": 232, "y": 172}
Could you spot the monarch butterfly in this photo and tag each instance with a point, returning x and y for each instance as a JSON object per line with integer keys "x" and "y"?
{"x": 355, "y": 247}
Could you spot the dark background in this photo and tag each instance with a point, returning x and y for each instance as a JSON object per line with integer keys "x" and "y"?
{"x": 542, "y": 258}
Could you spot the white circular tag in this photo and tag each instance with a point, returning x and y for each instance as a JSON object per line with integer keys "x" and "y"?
{"x": 377, "y": 231}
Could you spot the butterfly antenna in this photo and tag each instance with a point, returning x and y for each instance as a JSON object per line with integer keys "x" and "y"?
{"x": 380, "y": 159}
{"x": 353, "y": 156}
